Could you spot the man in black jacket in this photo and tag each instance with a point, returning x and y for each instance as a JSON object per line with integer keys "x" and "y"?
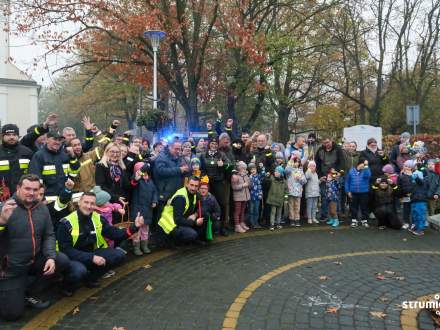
{"x": 14, "y": 160}
{"x": 81, "y": 236}
{"x": 27, "y": 247}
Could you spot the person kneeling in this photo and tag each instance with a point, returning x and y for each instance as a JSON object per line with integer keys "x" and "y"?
{"x": 179, "y": 218}
{"x": 81, "y": 236}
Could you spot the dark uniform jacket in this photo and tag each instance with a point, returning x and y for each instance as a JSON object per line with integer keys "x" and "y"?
{"x": 14, "y": 162}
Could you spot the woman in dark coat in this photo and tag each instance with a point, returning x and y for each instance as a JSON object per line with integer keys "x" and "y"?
{"x": 111, "y": 174}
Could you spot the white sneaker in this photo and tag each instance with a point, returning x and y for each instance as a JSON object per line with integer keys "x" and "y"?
{"x": 405, "y": 226}
{"x": 315, "y": 221}
{"x": 309, "y": 221}
{"x": 365, "y": 224}
{"x": 354, "y": 223}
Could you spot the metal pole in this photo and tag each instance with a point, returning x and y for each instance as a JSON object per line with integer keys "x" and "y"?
{"x": 154, "y": 80}
{"x": 414, "y": 122}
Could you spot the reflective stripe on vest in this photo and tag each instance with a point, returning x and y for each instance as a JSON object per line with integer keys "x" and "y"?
{"x": 49, "y": 170}
{"x": 167, "y": 218}
{"x": 24, "y": 163}
{"x": 96, "y": 220}
{"x": 88, "y": 161}
{"x": 4, "y": 165}
{"x": 66, "y": 169}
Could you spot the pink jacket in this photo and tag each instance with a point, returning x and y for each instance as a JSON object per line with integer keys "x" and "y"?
{"x": 107, "y": 210}
{"x": 240, "y": 193}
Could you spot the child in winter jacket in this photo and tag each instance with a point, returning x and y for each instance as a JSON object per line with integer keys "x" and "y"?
{"x": 295, "y": 182}
{"x": 256, "y": 192}
{"x": 105, "y": 208}
{"x": 275, "y": 197}
{"x": 383, "y": 203}
{"x": 210, "y": 207}
{"x": 357, "y": 187}
{"x": 434, "y": 187}
{"x": 333, "y": 197}
{"x": 240, "y": 194}
{"x": 419, "y": 199}
{"x": 405, "y": 187}
{"x": 143, "y": 200}
{"x": 312, "y": 192}
{"x": 388, "y": 171}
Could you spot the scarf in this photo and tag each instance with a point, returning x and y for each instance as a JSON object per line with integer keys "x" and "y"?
{"x": 211, "y": 153}
{"x": 115, "y": 171}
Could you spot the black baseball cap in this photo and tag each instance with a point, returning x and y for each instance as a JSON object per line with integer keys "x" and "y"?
{"x": 10, "y": 129}
{"x": 55, "y": 134}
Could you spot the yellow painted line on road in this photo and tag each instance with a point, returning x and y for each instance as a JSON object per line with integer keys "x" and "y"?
{"x": 233, "y": 314}
{"x": 408, "y": 317}
{"x": 52, "y": 315}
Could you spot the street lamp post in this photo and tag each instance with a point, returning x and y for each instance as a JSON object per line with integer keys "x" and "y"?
{"x": 155, "y": 38}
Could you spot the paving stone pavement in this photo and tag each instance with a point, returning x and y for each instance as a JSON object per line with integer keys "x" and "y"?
{"x": 194, "y": 289}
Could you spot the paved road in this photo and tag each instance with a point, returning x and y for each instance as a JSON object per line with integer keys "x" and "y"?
{"x": 195, "y": 288}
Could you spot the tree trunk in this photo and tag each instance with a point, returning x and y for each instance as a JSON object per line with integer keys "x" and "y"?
{"x": 283, "y": 124}
{"x": 191, "y": 110}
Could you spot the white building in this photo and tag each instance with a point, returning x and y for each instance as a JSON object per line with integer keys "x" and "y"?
{"x": 18, "y": 92}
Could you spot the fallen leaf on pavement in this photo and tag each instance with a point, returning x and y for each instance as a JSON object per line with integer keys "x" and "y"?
{"x": 383, "y": 299}
{"x": 118, "y": 328}
{"x": 338, "y": 263}
{"x": 75, "y": 311}
{"x": 332, "y": 232}
{"x": 399, "y": 278}
{"x": 332, "y": 310}
{"x": 389, "y": 272}
{"x": 379, "y": 315}
{"x": 324, "y": 278}
{"x": 147, "y": 266}
{"x": 148, "y": 288}
{"x": 404, "y": 239}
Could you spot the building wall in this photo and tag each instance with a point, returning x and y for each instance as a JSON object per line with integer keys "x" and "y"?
{"x": 21, "y": 104}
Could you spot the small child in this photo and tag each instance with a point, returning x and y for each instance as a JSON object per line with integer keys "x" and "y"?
{"x": 256, "y": 192}
{"x": 383, "y": 204}
{"x": 419, "y": 198}
{"x": 434, "y": 187}
{"x": 105, "y": 208}
{"x": 332, "y": 185}
{"x": 275, "y": 197}
{"x": 357, "y": 187}
{"x": 388, "y": 171}
{"x": 195, "y": 169}
{"x": 143, "y": 200}
{"x": 312, "y": 192}
{"x": 295, "y": 182}
{"x": 405, "y": 188}
{"x": 240, "y": 194}
{"x": 210, "y": 207}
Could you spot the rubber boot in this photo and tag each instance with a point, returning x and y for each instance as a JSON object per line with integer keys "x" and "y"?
{"x": 144, "y": 247}
{"x": 137, "y": 248}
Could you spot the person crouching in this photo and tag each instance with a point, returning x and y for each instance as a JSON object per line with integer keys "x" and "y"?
{"x": 384, "y": 191}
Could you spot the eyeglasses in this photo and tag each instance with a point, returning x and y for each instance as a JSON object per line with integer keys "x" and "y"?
{"x": 114, "y": 152}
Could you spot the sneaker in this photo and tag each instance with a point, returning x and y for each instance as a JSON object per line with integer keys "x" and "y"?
{"x": 315, "y": 221}
{"x": 109, "y": 274}
{"x": 271, "y": 228}
{"x": 309, "y": 221}
{"x": 243, "y": 225}
{"x": 279, "y": 227}
{"x": 330, "y": 221}
{"x": 417, "y": 233}
{"x": 382, "y": 227}
{"x": 354, "y": 223}
{"x": 412, "y": 227}
{"x": 405, "y": 226}
{"x": 239, "y": 229}
{"x": 365, "y": 224}
{"x": 335, "y": 223}
{"x": 297, "y": 223}
{"x": 36, "y": 303}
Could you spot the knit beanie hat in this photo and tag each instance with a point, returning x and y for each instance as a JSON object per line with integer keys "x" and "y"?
{"x": 251, "y": 166}
{"x": 139, "y": 165}
{"x": 280, "y": 170}
{"x": 195, "y": 160}
{"x": 102, "y": 197}
{"x": 388, "y": 169}
{"x": 409, "y": 163}
{"x": 10, "y": 128}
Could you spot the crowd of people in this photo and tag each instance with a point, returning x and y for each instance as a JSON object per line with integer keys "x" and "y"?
{"x": 69, "y": 206}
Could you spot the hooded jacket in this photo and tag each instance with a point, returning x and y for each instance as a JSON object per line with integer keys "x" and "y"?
{"x": 28, "y": 233}
{"x": 326, "y": 160}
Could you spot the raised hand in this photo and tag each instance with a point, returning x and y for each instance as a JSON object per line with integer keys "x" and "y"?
{"x": 51, "y": 120}
{"x": 87, "y": 123}
{"x": 7, "y": 210}
{"x": 69, "y": 184}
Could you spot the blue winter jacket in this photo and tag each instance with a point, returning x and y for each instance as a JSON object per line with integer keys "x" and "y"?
{"x": 358, "y": 181}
